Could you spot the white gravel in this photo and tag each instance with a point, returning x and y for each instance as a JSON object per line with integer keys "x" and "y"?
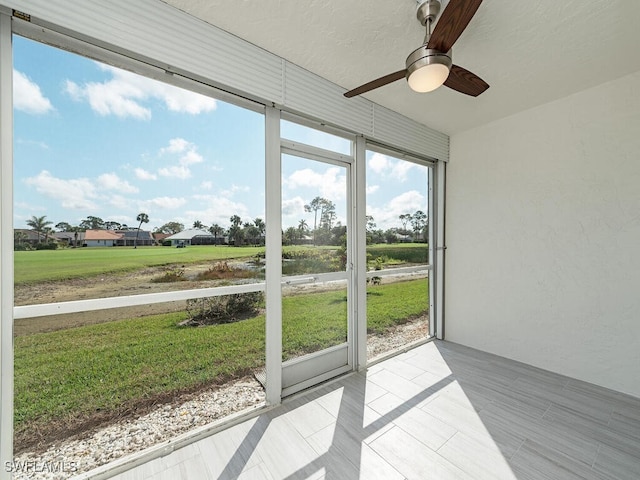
{"x": 79, "y": 455}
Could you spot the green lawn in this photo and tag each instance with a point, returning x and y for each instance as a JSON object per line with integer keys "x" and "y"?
{"x": 400, "y": 252}
{"x": 50, "y": 265}
{"x": 47, "y": 265}
{"x": 111, "y": 367}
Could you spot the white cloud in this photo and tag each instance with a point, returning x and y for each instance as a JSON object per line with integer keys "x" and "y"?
{"x": 230, "y": 192}
{"x": 76, "y": 194}
{"x": 331, "y": 183}
{"x": 27, "y": 96}
{"x": 84, "y": 193}
{"x": 378, "y": 162}
{"x": 165, "y": 203}
{"x": 34, "y": 143}
{"x": 189, "y": 156}
{"x": 142, "y": 174}
{"x": 125, "y": 92}
{"x": 293, "y": 207}
{"x": 407, "y": 202}
{"x": 206, "y": 185}
{"x": 396, "y": 169}
{"x": 175, "y": 171}
{"x": 118, "y": 201}
{"x": 216, "y": 209}
{"x": 122, "y": 219}
{"x": 401, "y": 169}
{"x": 176, "y": 145}
{"x": 111, "y": 98}
{"x": 372, "y": 189}
{"x": 111, "y": 181}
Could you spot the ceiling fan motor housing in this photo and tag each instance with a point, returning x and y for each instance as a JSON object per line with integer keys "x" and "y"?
{"x": 423, "y": 56}
{"x": 427, "y": 11}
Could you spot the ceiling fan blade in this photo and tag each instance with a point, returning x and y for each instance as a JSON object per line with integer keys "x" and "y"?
{"x": 464, "y": 81}
{"x": 377, "y": 83}
{"x": 454, "y": 19}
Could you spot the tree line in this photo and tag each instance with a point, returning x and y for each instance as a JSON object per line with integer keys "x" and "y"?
{"x": 327, "y": 230}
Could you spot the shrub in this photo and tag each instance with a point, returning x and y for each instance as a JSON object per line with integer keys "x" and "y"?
{"x": 173, "y": 275}
{"x": 410, "y": 254}
{"x": 222, "y": 270}
{"x": 299, "y": 262}
{"x": 223, "y": 309}
{"x": 46, "y": 246}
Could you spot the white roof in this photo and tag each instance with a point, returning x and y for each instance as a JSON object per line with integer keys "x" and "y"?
{"x": 189, "y": 234}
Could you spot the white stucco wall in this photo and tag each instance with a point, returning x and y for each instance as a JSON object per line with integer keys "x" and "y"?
{"x": 543, "y": 236}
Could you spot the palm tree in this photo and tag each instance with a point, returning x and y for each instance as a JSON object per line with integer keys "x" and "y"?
{"x": 47, "y": 231}
{"x": 317, "y": 204}
{"x": 405, "y": 218}
{"x": 142, "y": 218}
{"x": 290, "y": 235}
{"x": 235, "y": 231}
{"x": 198, "y": 224}
{"x": 38, "y": 224}
{"x": 303, "y": 228}
{"x": 215, "y": 230}
{"x": 260, "y": 225}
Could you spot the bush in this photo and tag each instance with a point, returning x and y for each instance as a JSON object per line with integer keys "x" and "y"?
{"x": 300, "y": 262}
{"x": 173, "y": 275}
{"x": 403, "y": 254}
{"x": 223, "y": 309}
{"x": 46, "y": 246}
{"x": 222, "y": 270}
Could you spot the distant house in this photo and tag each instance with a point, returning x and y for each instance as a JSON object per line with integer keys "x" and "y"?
{"x": 24, "y": 236}
{"x": 145, "y": 238}
{"x": 159, "y": 237}
{"x": 69, "y": 238}
{"x": 192, "y": 237}
{"x": 102, "y": 238}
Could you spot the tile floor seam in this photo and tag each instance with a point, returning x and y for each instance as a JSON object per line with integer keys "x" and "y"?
{"x": 447, "y": 441}
{"x": 595, "y": 458}
{"x": 518, "y": 449}
{"x": 384, "y": 460}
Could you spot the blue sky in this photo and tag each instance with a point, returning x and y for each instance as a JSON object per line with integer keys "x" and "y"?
{"x": 90, "y": 139}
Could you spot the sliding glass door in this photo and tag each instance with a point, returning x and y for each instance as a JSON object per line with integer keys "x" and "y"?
{"x": 316, "y": 265}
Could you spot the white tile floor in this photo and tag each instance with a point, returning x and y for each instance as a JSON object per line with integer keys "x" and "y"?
{"x": 440, "y": 411}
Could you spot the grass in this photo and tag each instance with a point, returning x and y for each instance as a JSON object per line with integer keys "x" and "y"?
{"x": 51, "y": 265}
{"x": 112, "y": 367}
{"x": 400, "y": 252}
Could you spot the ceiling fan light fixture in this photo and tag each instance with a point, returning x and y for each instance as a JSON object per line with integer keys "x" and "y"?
{"x": 427, "y": 69}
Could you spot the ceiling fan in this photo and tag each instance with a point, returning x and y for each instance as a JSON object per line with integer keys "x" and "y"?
{"x": 430, "y": 66}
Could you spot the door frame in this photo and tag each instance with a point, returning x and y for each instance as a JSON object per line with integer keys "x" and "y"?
{"x": 305, "y": 371}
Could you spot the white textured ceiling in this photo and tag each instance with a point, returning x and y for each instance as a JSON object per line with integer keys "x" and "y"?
{"x": 530, "y": 52}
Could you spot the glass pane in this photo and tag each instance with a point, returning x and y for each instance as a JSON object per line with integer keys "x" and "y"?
{"x": 128, "y": 378}
{"x": 314, "y": 214}
{"x": 397, "y": 253}
{"x": 123, "y": 186}
{"x": 127, "y": 185}
{"x": 314, "y": 317}
{"x": 316, "y": 138}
